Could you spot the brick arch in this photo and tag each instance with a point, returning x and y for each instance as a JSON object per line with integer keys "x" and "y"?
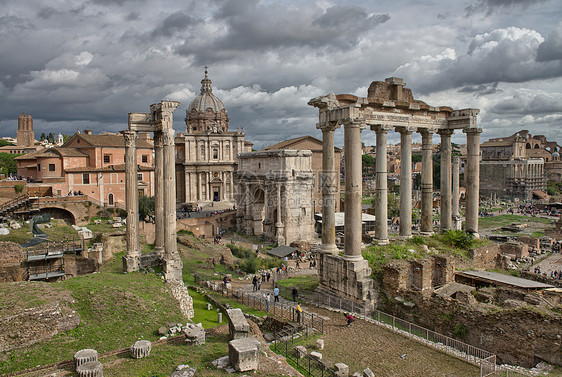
{"x": 58, "y": 212}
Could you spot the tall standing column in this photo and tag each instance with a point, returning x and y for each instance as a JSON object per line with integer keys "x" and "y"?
{"x": 279, "y": 226}
{"x": 456, "y": 193}
{"x": 381, "y": 190}
{"x": 446, "y": 181}
{"x": 427, "y": 181}
{"x": 405, "y": 181}
{"x": 159, "y": 193}
{"x": 329, "y": 188}
{"x": 131, "y": 261}
{"x": 472, "y": 174}
{"x": 353, "y": 191}
{"x": 172, "y": 264}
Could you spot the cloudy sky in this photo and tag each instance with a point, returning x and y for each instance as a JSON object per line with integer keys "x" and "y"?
{"x": 86, "y": 64}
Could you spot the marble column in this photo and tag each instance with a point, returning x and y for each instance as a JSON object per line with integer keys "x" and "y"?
{"x": 279, "y": 226}
{"x": 172, "y": 264}
{"x": 329, "y": 188}
{"x": 159, "y": 193}
{"x": 353, "y": 229}
{"x": 381, "y": 190}
{"x": 405, "y": 181}
{"x": 456, "y": 194}
{"x": 446, "y": 181}
{"x": 131, "y": 261}
{"x": 427, "y": 181}
{"x": 472, "y": 179}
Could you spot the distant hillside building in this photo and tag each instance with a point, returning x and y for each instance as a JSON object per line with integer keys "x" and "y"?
{"x": 207, "y": 155}
{"x": 313, "y": 144}
{"x": 91, "y": 164}
{"x": 515, "y": 166}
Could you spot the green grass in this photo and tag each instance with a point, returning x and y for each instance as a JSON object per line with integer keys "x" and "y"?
{"x": 307, "y": 283}
{"x": 506, "y": 220}
{"x": 115, "y": 310}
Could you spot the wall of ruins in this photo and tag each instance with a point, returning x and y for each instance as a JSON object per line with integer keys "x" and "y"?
{"x": 11, "y": 262}
{"x": 208, "y": 226}
{"x": 523, "y": 336}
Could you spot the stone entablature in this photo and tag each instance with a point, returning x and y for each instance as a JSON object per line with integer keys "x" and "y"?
{"x": 275, "y": 195}
{"x": 390, "y": 106}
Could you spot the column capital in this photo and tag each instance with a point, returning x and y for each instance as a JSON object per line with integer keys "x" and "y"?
{"x": 472, "y": 130}
{"x": 353, "y": 123}
{"x": 405, "y": 129}
{"x": 445, "y": 131}
{"x": 380, "y": 128}
{"x": 158, "y": 139}
{"x": 427, "y": 131}
{"x": 130, "y": 138}
{"x": 328, "y": 126}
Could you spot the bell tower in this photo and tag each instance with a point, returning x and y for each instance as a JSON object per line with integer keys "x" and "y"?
{"x": 25, "y": 134}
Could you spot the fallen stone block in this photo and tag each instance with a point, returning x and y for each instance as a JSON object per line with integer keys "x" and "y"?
{"x": 209, "y": 306}
{"x": 301, "y": 351}
{"x": 238, "y": 326}
{"x": 90, "y": 369}
{"x": 319, "y": 344}
{"x": 184, "y": 371}
{"x": 194, "y": 334}
{"x": 368, "y": 373}
{"x": 341, "y": 369}
{"x": 221, "y": 362}
{"x": 85, "y": 356}
{"x": 316, "y": 355}
{"x": 243, "y": 354}
{"x": 141, "y": 349}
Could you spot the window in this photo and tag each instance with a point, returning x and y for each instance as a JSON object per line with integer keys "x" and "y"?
{"x": 38, "y": 167}
{"x": 145, "y": 159}
{"x": 86, "y": 179}
{"x": 107, "y": 159}
{"x": 202, "y": 152}
{"x": 215, "y": 153}
{"x": 139, "y": 176}
{"x": 51, "y": 167}
{"x": 110, "y": 199}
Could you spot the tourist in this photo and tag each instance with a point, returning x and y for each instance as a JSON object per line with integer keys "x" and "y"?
{"x": 299, "y": 312}
{"x": 255, "y": 283}
{"x": 267, "y": 299}
{"x": 294, "y": 293}
{"x": 276, "y": 294}
{"x": 268, "y": 276}
{"x": 349, "y": 319}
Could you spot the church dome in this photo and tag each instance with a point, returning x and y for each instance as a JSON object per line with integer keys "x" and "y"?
{"x": 206, "y": 113}
{"x": 206, "y": 99}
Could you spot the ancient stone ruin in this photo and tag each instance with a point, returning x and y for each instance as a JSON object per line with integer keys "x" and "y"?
{"x": 387, "y": 106}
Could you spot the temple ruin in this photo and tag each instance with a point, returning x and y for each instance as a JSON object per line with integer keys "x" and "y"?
{"x": 158, "y": 120}
{"x": 388, "y": 105}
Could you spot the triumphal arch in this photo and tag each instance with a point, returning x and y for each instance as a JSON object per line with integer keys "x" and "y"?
{"x": 388, "y": 106}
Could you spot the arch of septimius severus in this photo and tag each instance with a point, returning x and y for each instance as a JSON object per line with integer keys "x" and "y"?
{"x": 388, "y": 105}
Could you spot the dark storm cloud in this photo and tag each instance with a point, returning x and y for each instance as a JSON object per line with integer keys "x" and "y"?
{"x": 490, "y": 6}
{"x": 480, "y": 90}
{"x": 175, "y": 23}
{"x": 551, "y": 48}
{"x": 250, "y": 26}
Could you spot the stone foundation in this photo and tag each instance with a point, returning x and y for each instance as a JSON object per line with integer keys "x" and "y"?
{"x": 347, "y": 280}
{"x": 180, "y": 293}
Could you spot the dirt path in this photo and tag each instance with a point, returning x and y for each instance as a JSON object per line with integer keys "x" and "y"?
{"x": 365, "y": 344}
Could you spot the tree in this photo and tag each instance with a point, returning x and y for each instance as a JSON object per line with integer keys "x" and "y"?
{"x": 416, "y": 157}
{"x": 367, "y": 162}
{"x": 146, "y": 206}
{"x": 43, "y": 137}
{"x": 51, "y": 137}
{"x": 3, "y": 143}
{"x": 7, "y": 163}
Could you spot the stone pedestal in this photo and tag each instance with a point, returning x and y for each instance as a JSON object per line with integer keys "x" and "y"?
{"x": 90, "y": 369}
{"x": 140, "y": 349}
{"x": 85, "y": 356}
{"x": 244, "y": 354}
{"x": 346, "y": 279}
{"x": 194, "y": 334}
{"x": 238, "y": 325}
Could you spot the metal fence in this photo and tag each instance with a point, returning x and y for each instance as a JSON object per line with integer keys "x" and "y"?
{"x": 305, "y": 364}
{"x": 257, "y": 301}
{"x": 488, "y": 366}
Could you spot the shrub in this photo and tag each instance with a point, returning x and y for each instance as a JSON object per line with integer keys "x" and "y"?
{"x": 458, "y": 238}
{"x": 418, "y": 240}
{"x": 459, "y": 330}
{"x": 19, "y": 188}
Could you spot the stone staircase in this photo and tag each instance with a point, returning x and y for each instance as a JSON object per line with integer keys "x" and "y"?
{"x": 13, "y": 205}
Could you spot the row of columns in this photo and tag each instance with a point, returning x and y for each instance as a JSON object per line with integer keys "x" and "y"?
{"x": 353, "y": 192}
{"x": 165, "y": 203}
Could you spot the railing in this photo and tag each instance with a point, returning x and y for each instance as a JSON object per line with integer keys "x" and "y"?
{"x": 488, "y": 366}
{"x": 278, "y": 309}
{"x": 14, "y": 202}
{"x": 305, "y": 364}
